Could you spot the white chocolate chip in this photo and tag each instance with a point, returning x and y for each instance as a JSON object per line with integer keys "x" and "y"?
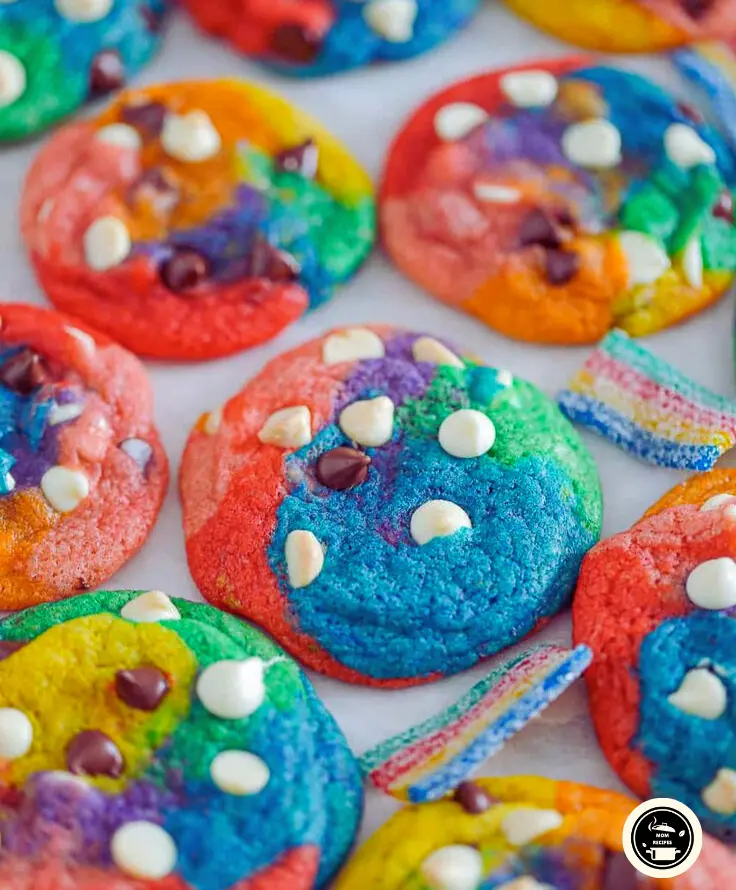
{"x": 288, "y": 428}
{"x": 692, "y": 262}
{"x": 369, "y": 422}
{"x": 16, "y": 733}
{"x": 720, "y": 795}
{"x": 351, "y": 345}
{"x": 437, "y": 519}
{"x": 87, "y": 340}
{"x": 213, "y": 421}
{"x": 191, "y": 137}
{"x": 106, "y": 243}
{"x": 718, "y": 501}
{"x": 150, "y": 607}
{"x": 143, "y": 850}
{"x": 83, "y": 10}
{"x": 646, "y": 260}
{"x": 504, "y": 378}
{"x": 529, "y": 89}
{"x": 490, "y": 193}
{"x": 137, "y": 450}
{"x": 9, "y": 482}
{"x": 454, "y": 121}
{"x": 712, "y": 584}
{"x": 524, "y": 824}
{"x": 427, "y": 349}
{"x": 232, "y": 689}
{"x": 594, "y": 144}
{"x": 702, "y": 694}
{"x": 122, "y": 135}
{"x": 392, "y": 19}
{"x": 467, "y": 433}
{"x": 64, "y": 413}
{"x": 12, "y": 78}
{"x": 305, "y": 557}
{"x": 64, "y": 488}
{"x": 456, "y": 867}
{"x": 239, "y": 773}
{"x": 685, "y": 148}
{"x": 45, "y": 210}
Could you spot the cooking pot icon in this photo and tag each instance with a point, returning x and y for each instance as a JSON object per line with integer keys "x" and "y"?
{"x": 663, "y": 854}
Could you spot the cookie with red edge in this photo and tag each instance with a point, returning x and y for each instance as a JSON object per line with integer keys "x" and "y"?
{"x": 193, "y": 220}
{"x": 389, "y": 511}
{"x": 82, "y": 471}
{"x": 630, "y": 26}
{"x": 317, "y": 37}
{"x": 559, "y": 199}
{"x": 656, "y": 604}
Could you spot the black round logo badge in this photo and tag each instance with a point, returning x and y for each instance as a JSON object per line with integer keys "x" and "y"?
{"x": 662, "y": 838}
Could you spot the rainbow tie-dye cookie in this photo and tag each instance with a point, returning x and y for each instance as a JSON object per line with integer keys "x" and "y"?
{"x": 83, "y": 473}
{"x": 519, "y": 833}
{"x": 155, "y": 743}
{"x": 197, "y": 219}
{"x": 630, "y": 26}
{"x": 656, "y": 605}
{"x": 390, "y": 511}
{"x": 309, "y": 38}
{"x": 57, "y": 54}
{"x": 559, "y": 199}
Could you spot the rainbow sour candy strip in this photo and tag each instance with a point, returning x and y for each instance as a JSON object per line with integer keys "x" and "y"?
{"x": 712, "y": 67}
{"x": 429, "y": 760}
{"x": 648, "y": 408}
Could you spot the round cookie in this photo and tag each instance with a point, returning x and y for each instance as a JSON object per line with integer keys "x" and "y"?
{"x": 656, "y": 606}
{"x": 82, "y": 471}
{"x": 193, "y": 220}
{"x": 318, "y": 37}
{"x": 57, "y": 54}
{"x": 164, "y": 741}
{"x": 519, "y": 833}
{"x": 630, "y": 26}
{"x": 560, "y": 199}
{"x": 389, "y": 511}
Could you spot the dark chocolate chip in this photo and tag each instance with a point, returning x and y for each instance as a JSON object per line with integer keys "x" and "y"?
{"x": 538, "y": 227}
{"x": 92, "y": 753}
{"x": 152, "y": 19}
{"x": 723, "y": 208}
{"x": 148, "y": 117}
{"x": 294, "y": 43}
{"x": 620, "y": 874}
{"x": 343, "y": 468}
{"x": 184, "y": 270}
{"x": 138, "y": 450}
{"x": 24, "y": 372}
{"x": 142, "y": 688}
{"x": 301, "y": 159}
{"x": 8, "y": 647}
{"x": 565, "y": 217}
{"x": 106, "y": 73}
{"x": 561, "y": 266}
{"x": 696, "y": 9}
{"x": 267, "y": 261}
{"x": 472, "y": 798}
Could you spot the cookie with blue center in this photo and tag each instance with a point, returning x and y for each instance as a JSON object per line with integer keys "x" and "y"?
{"x": 390, "y": 511}
{"x": 164, "y": 744}
{"x": 656, "y": 605}
{"x": 57, "y": 54}
{"x": 320, "y": 37}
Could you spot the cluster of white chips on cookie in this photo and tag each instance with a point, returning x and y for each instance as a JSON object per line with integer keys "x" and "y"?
{"x": 594, "y": 144}
{"x": 464, "y": 434}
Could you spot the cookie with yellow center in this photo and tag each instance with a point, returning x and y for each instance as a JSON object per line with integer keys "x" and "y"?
{"x": 520, "y": 833}
{"x": 155, "y": 735}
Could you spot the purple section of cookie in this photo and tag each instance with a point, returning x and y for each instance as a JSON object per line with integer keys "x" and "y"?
{"x": 58, "y": 808}
{"x": 31, "y": 465}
